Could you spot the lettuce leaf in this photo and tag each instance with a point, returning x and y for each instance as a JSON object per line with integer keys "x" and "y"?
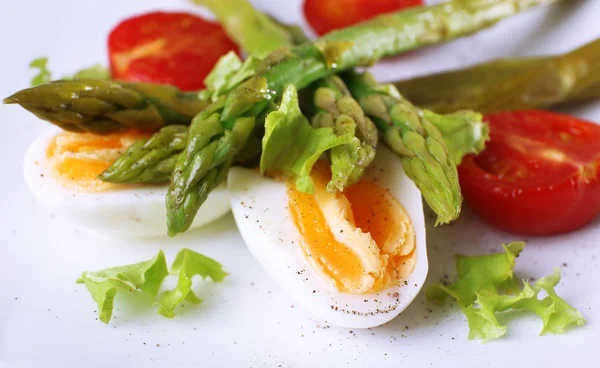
{"x": 145, "y": 276}
{"x": 44, "y": 75}
{"x": 148, "y": 277}
{"x": 93, "y": 72}
{"x": 188, "y": 264}
{"x": 464, "y": 132}
{"x": 227, "y": 73}
{"x": 486, "y": 285}
{"x": 291, "y": 146}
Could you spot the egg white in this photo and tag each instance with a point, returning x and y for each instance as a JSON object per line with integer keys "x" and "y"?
{"x": 132, "y": 212}
{"x": 260, "y": 208}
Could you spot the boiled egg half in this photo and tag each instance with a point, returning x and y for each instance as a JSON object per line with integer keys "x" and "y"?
{"x": 61, "y": 170}
{"x": 355, "y": 259}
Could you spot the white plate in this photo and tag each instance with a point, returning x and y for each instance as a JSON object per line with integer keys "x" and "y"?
{"x": 48, "y": 320}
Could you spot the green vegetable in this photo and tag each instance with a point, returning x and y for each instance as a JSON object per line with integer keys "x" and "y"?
{"x": 104, "y": 107}
{"x": 301, "y": 65}
{"x": 253, "y": 30}
{"x": 417, "y": 141}
{"x": 227, "y": 73}
{"x": 337, "y": 109}
{"x": 204, "y": 163}
{"x": 383, "y": 36}
{"x": 486, "y": 285}
{"x": 511, "y": 84}
{"x": 149, "y": 161}
{"x": 188, "y": 264}
{"x": 333, "y": 107}
{"x": 463, "y": 132}
{"x": 44, "y": 75}
{"x": 93, "y": 72}
{"x": 144, "y": 276}
{"x": 148, "y": 277}
{"x": 291, "y": 146}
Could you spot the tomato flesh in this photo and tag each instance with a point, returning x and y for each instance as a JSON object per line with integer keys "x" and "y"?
{"x": 326, "y": 15}
{"x": 538, "y": 175}
{"x": 167, "y": 48}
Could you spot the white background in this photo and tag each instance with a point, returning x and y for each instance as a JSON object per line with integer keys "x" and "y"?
{"x": 47, "y": 320}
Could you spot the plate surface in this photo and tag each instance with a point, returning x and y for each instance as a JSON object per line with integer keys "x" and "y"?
{"x": 48, "y": 320}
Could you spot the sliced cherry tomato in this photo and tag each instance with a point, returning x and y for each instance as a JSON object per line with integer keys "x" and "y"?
{"x": 167, "y": 48}
{"x": 538, "y": 175}
{"x": 326, "y": 15}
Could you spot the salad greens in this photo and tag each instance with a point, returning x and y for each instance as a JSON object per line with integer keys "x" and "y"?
{"x": 148, "y": 277}
{"x": 95, "y": 71}
{"x": 291, "y": 145}
{"x": 487, "y": 285}
{"x": 338, "y": 51}
{"x": 144, "y": 276}
{"x": 44, "y": 75}
{"x": 188, "y": 264}
{"x": 227, "y": 73}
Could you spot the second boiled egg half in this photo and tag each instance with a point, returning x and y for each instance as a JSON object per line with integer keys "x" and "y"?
{"x": 355, "y": 259}
{"x": 61, "y": 170}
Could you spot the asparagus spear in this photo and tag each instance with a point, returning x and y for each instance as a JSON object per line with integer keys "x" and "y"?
{"x": 68, "y": 105}
{"x": 416, "y": 140}
{"x": 147, "y": 161}
{"x": 103, "y": 107}
{"x": 249, "y": 28}
{"x": 150, "y": 160}
{"x": 511, "y": 84}
{"x": 335, "y": 108}
{"x": 333, "y": 105}
{"x": 338, "y": 110}
{"x": 363, "y": 44}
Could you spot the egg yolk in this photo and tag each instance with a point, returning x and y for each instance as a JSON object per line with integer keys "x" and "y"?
{"x": 362, "y": 240}
{"x": 76, "y": 159}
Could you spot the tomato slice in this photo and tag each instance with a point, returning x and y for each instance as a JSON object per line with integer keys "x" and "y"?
{"x": 326, "y": 15}
{"x": 538, "y": 175}
{"x": 168, "y": 48}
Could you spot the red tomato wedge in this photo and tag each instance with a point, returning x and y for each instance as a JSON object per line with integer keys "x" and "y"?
{"x": 326, "y": 15}
{"x": 538, "y": 175}
{"x": 167, "y": 48}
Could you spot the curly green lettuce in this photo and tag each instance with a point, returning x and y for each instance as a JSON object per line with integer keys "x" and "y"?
{"x": 227, "y": 73}
{"x": 144, "y": 276}
{"x": 486, "y": 285}
{"x": 188, "y": 264}
{"x": 96, "y": 71}
{"x": 464, "y": 132}
{"x": 45, "y": 75}
{"x": 147, "y": 277}
{"x": 291, "y": 146}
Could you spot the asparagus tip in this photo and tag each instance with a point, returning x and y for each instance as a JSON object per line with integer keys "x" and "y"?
{"x": 11, "y": 99}
{"x": 20, "y": 97}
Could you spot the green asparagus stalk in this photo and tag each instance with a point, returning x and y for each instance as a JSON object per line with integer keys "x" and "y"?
{"x": 153, "y": 160}
{"x": 150, "y": 160}
{"x": 360, "y": 45}
{"x": 249, "y": 28}
{"x": 333, "y": 105}
{"x": 204, "y": 164}
{"x": 104, "y": 107}
{"x": 414, "y": 136}
{"x": 338, "y": 110}
{"x": 511, "y": 84}
{"x": 147, "y": 161}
